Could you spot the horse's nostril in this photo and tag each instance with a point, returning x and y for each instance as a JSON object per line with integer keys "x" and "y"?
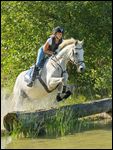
{"x": 82, "y": 69}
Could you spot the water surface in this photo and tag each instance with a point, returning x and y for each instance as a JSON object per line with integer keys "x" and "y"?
{"x": 93, "y": 139}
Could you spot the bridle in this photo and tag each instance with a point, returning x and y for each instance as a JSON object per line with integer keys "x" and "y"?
{"x": 74, "y": 62}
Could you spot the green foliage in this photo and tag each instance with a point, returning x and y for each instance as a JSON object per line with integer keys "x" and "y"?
{"x": 25, "y": 26}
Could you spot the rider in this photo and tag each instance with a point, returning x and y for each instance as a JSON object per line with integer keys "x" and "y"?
{"x": 48, "y": 48}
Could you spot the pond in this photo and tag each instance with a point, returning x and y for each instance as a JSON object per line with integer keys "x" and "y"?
{"x": 100, "y": 138}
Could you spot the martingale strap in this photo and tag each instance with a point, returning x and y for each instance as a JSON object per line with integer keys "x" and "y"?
{"x": 45, "y": 86}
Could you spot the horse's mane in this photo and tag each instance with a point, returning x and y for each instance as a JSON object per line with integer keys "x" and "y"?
{"x": 67, "y": 42}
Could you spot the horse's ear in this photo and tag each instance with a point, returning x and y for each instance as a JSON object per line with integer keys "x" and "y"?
{"x": 82, "y": 42}
{"x": 76, "y": 42}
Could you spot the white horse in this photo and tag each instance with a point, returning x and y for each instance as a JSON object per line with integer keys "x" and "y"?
{"x": 49, "y": 85}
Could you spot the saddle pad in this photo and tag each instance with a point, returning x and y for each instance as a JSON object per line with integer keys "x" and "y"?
{"x": 27, "y": 77}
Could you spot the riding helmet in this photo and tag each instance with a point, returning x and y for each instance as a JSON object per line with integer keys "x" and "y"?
{"x": 58, "y": 29}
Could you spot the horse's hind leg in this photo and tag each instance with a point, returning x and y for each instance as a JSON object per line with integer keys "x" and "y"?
{"x": 18, "y": 101}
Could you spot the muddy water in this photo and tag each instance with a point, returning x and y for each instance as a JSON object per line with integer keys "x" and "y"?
{"x": 92, "y": 139}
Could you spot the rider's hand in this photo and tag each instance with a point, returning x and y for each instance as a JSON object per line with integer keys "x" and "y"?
{"x": 54, "y": 53}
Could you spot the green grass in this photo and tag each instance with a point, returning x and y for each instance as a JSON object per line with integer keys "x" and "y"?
{"x": 63, "y": 123}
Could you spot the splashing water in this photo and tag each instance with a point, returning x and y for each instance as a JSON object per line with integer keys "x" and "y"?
{"x": 6, "y": 104}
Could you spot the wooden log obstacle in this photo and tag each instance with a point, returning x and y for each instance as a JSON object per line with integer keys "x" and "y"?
{"x": 77, "y": 110}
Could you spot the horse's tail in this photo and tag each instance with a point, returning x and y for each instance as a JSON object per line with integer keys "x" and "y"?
{"x": 17, "y": 86}
{"x": 17, "y": 98}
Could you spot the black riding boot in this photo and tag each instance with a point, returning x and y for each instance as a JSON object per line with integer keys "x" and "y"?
{"x": 33, "y": 77}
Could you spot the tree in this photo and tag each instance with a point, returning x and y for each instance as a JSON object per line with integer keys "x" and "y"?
{"x": 27, "y": 24}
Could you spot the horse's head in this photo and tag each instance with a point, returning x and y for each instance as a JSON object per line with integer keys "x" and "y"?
{"x": 71, "y": 49}
{"x": 76, "y": 54}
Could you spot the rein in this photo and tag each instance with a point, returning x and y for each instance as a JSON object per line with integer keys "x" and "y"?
{"x": 77, "y": 63}
{"x": 63, "y": 71}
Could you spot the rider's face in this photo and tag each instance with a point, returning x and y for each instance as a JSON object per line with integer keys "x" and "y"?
{"x": 59, "y": 35}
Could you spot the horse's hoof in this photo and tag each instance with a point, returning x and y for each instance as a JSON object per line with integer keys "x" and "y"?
{"x": 58, "y": 98}
{"x": 68, "y": 93}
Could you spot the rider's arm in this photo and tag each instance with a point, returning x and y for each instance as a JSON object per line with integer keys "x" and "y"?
{"x": 46, "y": 47}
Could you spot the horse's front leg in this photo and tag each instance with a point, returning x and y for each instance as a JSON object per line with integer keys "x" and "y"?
{"x": 53, "y": 82}
{"x": 63, "y": 93}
